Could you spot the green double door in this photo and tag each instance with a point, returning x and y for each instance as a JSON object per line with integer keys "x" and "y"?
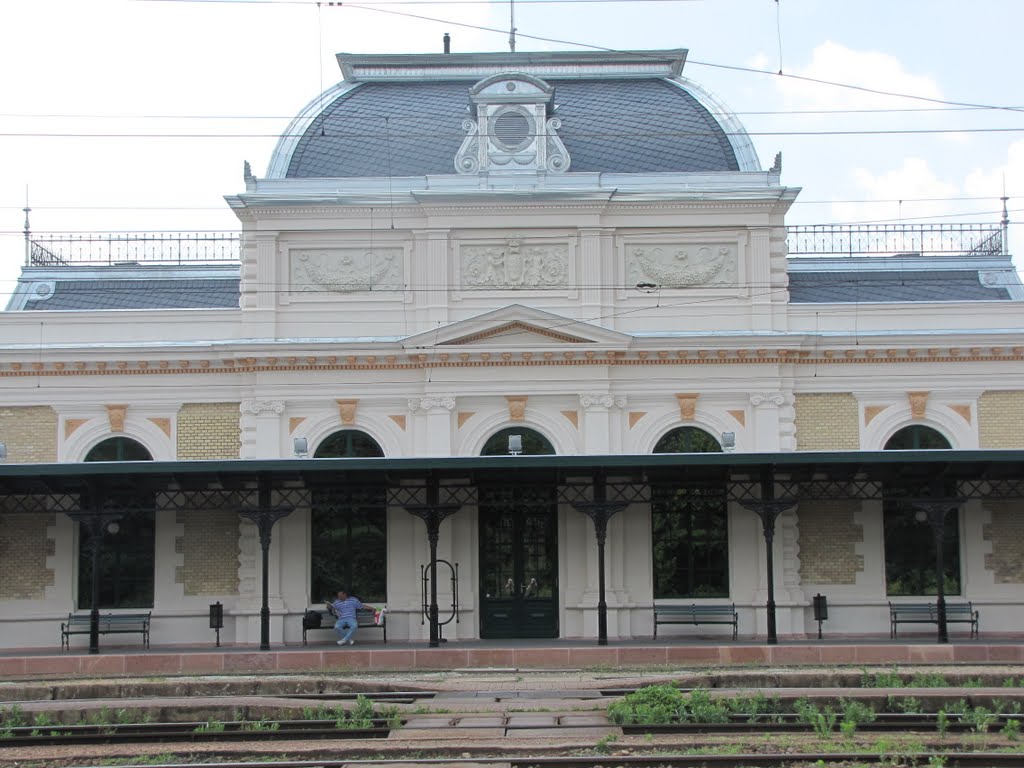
{"x": 518, "y": 563}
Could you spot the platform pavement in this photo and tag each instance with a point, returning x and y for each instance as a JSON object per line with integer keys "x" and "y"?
{"x": 511, "y": 655}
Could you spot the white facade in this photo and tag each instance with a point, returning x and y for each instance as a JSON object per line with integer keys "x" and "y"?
{"x": 601, "y": 310}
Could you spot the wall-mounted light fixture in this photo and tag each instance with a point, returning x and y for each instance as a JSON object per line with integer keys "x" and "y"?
{"x": 301, "y": 447}
{"x": 515, "y": 445}
{"x": 728, "y": 442}
{"x": 3, "y": 451}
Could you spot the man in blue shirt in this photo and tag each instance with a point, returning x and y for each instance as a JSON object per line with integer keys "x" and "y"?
{"x": 344, "y": 608}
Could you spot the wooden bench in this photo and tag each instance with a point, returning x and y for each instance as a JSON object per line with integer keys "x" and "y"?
{"x": 696, "y": 614}
{"x": 364, "y": 620}
{"x": 928, "y": 613}
{"x": 110, "y": 624}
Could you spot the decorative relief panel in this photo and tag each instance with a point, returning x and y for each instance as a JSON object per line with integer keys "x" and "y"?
{"x": 682, "y": 265}
{"x": 345, "y": 270}
{"x": 514, "y": 265}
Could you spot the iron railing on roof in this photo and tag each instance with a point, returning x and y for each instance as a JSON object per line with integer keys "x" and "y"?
{"x": 168, "y": 248}
{"x": 895, "y": 239}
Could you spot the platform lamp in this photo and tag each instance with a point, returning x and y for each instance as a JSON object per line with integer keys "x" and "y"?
{"x": 300, "y": 446}
{"x": 515, "y": 445}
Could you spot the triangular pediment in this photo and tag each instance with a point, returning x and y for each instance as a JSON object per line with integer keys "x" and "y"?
{"x": 520, "y": 327}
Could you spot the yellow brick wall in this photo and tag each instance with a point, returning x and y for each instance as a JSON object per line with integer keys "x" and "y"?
{"x": 1000, "y": 415}
{"x": 827, "y": 422}
{"x": 30, "y": 434}
{"x": 1006, "y": 532}
{"x": 24, "y": 547}
{"x": 828, "y": 537}
{"x": 209, "y": 431}
{"x": 210, "y": 548}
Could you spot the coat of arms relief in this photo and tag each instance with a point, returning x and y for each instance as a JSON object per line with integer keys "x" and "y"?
{"x": 514, "y": 265}
{"x": 681, "y": 266}
{"x": 346, "y": 270}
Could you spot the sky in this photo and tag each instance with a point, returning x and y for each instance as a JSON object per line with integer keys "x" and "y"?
{"x": 137, "y": 115}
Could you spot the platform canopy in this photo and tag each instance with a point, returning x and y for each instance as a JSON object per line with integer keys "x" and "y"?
{"x": 797, "y": 475}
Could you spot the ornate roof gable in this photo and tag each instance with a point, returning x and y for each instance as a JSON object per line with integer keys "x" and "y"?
{"x": 519, "y": 326}
{"x": 513, "y": 129}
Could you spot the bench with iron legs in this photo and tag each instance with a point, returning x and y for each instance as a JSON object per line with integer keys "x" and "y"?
{"x": 928, "y": 613}
{"x": 365, "y": 619}
{"x": 109, "y": 624}
{"x": 696, "y": 614}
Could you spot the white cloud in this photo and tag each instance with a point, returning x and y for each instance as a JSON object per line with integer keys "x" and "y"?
{"x": 907, "y": 193}
{"x": 833, "y": 62}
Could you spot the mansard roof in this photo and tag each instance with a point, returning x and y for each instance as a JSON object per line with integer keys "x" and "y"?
{"x": 811, "y": 280}
{"x": 396, "y": 116}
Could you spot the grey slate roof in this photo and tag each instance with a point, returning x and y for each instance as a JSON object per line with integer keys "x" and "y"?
{"x": 415, "y": 129}
{"x": 804, "y": 287}
{"x": 84, "y": 295}
{"x": 891, "y": 286}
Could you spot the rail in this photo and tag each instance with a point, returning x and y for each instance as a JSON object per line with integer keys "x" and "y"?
{"x": 150, "y": 248}
{"x": 895, "y": 239}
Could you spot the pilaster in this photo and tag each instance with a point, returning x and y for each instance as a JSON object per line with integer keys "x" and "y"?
{"x": 432, "y": 424}
{"x": 261, "y": 429}
{"x": 597, "y": 421}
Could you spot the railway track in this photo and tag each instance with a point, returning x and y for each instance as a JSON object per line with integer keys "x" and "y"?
{"x": 748, "y": 760}
{"x": 309, "y": 730}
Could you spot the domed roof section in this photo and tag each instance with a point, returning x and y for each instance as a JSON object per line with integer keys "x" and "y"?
{"x": 408, "y": 115}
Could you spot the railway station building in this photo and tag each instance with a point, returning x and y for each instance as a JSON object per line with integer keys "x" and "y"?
{"x": 524, "y": 336}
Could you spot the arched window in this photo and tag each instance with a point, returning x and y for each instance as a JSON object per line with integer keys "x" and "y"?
{"x": 349, "y": 535}
{"x": 690, "y": 538}
{"x": 128, "y": 549}
{"x": 909, "y": 544}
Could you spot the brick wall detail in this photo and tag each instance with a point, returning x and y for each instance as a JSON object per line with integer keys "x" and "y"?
{"x": 30, "y": 434}
{"x": 828, "y": 540}
{"x": 827, "y": 422}
{"x": 1006, "y": 532}
{"x": 209, "y": 431}
{"x": 24, "y": 547}
{"x": 1000, "y": 415}
{"x": 210, "y": 550}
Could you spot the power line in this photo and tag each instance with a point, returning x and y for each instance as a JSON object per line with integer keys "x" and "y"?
{"x": 565, "y": 134}
{"x": 222, "y": 208}
{"x": 369, "y": 6}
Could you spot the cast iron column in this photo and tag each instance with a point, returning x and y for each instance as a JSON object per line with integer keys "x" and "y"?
{"x": 768, "y": 508}
{"x": 264, "y": 516}
{"x": 92, "y": 517}
{"x": 433, "y": 514}
{"x": 600, "y": 511}
{"x": 935, "y": 515}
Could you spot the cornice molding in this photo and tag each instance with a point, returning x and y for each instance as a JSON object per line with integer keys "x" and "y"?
{"x": 462, "y": 357}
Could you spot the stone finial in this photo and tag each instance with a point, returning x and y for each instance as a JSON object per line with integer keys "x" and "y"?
{"x": 516, "y": 407}
{"x": 777, "y": 165}
{"x": 247, "y": 176}
{"x": 918, "y": 404}
{"x": 687, "y": 405}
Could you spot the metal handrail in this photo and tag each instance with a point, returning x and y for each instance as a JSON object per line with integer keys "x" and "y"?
{"x": 895, "y": 239}
{"x": 168, "y": 248}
